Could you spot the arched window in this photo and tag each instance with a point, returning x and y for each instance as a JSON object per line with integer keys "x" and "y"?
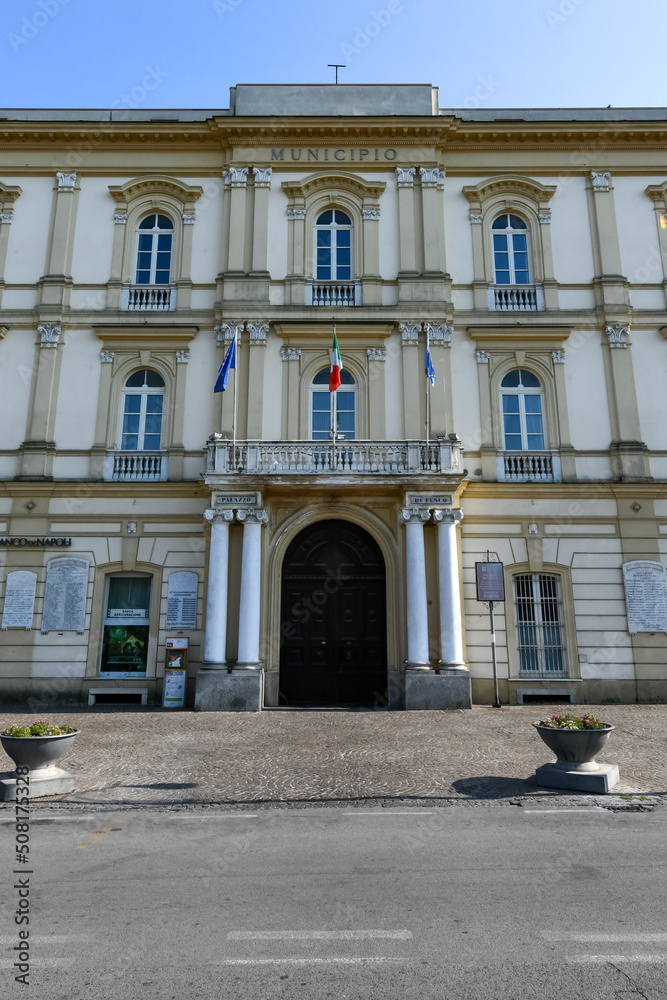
{"x": 522, "y": 408}
{"x": 143, "y": 400}
{"x": 333, "y": 246}
{"x": 321, "y": 406}
{"x": 154, "y": 244}
{"x": 538, "y": 608}
{"x": 510, "y": 250}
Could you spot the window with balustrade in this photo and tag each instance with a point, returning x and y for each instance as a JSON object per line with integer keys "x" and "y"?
{"x": 321, "y": 407}
{"x": 154, "y": 220}
{"x": 510, "y": 217}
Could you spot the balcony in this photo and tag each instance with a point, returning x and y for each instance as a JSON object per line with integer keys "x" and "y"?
{"x": 348, "y": 458}
{"x": 148, "y": 298}
{"x": 529, "y": 467}
{"x": 135, "y": 466}
{"x": 333, "y": 293}
{"x": 516, "y": 298}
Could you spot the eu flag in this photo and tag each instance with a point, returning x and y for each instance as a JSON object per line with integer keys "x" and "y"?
{"x": 429, "y": 369}
{"x": 228, "y": 363}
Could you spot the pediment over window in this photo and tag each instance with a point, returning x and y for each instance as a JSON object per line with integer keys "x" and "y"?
{"x": 511, "y": 184}
{"x": 158, "y": 186}
{"x": 364, "y": 190}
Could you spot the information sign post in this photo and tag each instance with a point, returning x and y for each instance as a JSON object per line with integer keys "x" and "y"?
{"x": 490, "y": 583}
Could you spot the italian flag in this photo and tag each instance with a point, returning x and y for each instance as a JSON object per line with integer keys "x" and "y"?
{"x": 336, "y": 365}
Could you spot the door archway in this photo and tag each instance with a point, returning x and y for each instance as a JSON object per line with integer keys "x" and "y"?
{"x": 333, "y": 618}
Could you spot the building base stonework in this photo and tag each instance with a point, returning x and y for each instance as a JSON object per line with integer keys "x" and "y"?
{"x": 220, "y": 691}
{"x": 45, "y": 781}
{"x": 594, "y": 782}
{"x": 426, "y": 691}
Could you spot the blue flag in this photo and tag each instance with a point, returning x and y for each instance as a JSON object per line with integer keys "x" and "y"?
{"x": 428, "y": 366}
{"x": 227, "y": 364}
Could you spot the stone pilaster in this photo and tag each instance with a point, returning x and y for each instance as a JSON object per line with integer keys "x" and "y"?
{"x": 251, "y": 588}
{"x": 38, "y": 450}
{"x": 417, "y": 607}
{"x": 451, "y": 627}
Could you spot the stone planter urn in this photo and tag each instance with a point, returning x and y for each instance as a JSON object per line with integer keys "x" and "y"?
{"x": 576, "y": 767}
{"x": 39, "y": 754}
{"x": 576, "y": 749}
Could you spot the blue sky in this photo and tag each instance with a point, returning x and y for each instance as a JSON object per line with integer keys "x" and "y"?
{"x": 173, "y": 53}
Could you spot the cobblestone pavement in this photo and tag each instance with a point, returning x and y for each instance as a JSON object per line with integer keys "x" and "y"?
{"x": 152, "y": 758}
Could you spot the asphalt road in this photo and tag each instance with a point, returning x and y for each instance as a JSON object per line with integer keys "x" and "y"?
{"x": 454, "y": 902}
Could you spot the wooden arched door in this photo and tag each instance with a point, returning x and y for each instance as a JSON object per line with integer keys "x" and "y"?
{"x": 333, "y": 618}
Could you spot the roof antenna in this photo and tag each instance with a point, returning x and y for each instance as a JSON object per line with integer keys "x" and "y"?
{"x": 337, "y": 66}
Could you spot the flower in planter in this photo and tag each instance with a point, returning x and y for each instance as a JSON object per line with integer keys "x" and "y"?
{"x": 573, "y": 722}
{"x": 39, "y": 728}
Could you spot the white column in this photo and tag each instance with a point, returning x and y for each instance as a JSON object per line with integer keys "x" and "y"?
{"x": 251, "y": 586}
{"x": 418, "y": 652}
{"x": 451, "y": 631}
{"x": 215, "y": 642}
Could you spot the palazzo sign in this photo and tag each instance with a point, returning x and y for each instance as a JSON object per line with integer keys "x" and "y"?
{"x": 237, "y": 500}
{"x": 645, "y": 596}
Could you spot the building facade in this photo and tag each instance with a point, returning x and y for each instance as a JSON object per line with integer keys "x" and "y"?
{"x": 313, "y": 553}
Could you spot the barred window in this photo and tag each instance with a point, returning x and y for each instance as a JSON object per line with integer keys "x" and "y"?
{"x": 539, "y": 625}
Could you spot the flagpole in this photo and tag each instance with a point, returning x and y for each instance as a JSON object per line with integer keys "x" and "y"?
{"x": 334, "y": 407}
{"x": 428, "y": 398}
{"x": 236, "y": 378}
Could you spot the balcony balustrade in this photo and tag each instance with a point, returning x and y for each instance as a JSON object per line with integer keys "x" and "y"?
{"x": 516, "y": 298}
{"x": 333, "y": 293}
{"x": 136, "y": 466}
{"x": 529, "y": 466}
{"x": 348, "y": 458}
{"x": 148, "y": 298}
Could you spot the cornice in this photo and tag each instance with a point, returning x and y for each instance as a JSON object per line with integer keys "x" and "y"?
{"x": 566, "y": 491}
{"x": 438, "y": 132}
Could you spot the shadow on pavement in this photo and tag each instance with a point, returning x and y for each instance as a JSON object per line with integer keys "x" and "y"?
{"x": 493, "y": 787}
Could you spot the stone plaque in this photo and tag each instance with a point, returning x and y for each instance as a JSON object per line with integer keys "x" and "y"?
{"x": 19, "y": 599}
{"x": 238, "y": 499}
{"x": 645, "y": 596}
{"x": 428, "y": 500}
{"x": 65, "y": 595}
{"x": 182, "y": 600}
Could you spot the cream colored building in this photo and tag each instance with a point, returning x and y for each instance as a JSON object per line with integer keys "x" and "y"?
{"x": 137, "y": 506}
